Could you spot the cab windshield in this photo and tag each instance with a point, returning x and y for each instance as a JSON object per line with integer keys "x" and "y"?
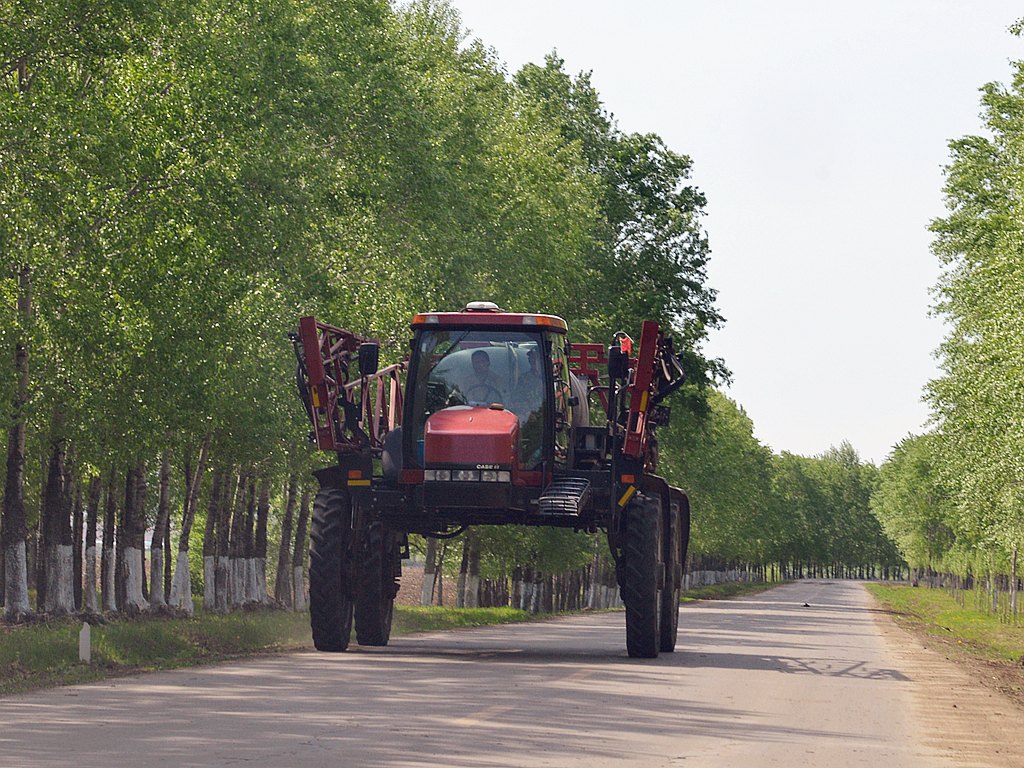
{"x": 481, "y": 368}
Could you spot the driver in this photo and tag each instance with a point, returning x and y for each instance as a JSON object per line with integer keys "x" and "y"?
{"x": 482, "y": 384}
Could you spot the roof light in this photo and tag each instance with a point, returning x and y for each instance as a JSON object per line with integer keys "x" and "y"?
{"x": 482, "y": 306}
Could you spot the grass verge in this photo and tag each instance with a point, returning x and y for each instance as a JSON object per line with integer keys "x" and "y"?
{"x": 934, "y": 613}
{"x": 45, "y": 654}
{"x": 730, "y": 589}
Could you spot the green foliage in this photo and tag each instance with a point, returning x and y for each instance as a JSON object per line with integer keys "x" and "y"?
{"x": 912, "y": 506}
{"x": 755, "y": 507}
{"x": 975, "y": 459}
{"x": 648, "y": 253}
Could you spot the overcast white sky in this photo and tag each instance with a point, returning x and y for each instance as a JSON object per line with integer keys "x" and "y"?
{"x": 818, "y": 131}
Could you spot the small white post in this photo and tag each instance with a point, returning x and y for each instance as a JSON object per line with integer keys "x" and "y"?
{"x": 85, "y": 643}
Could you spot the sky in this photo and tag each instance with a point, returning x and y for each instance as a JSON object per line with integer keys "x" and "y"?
{"x": 818, "y": 132}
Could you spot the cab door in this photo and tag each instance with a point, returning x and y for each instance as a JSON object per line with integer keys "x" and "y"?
{"x": 562, "y": 400}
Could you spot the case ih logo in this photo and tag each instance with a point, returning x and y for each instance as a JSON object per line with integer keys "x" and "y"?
{"x": 487, "y": 466}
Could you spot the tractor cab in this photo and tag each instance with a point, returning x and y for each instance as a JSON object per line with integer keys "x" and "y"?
{"x": 486, "y": 400}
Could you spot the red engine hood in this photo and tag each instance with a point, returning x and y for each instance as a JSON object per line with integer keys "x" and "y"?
{"x": 464, "y": 434}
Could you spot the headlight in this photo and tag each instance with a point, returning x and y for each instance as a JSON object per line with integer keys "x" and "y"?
{"x": 495, "y": 476}
{"x": 437, "y": 474}
{"x": 466, "y": 474}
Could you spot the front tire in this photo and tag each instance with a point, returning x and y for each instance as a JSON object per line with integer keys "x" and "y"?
{"x": 640, "y": 571}
{"x": 375, "y": 596}
{"x": 672, "y": 591}
{"x": 330, "y": 605}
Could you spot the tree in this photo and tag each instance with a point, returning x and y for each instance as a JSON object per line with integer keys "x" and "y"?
{"x": 912, "y": 505}
{"x": 977, "y": 448}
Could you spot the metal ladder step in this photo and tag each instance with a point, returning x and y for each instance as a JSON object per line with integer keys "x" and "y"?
{"x": 565, "y": 496}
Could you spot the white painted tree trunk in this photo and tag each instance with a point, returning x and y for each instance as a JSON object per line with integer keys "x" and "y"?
{"x": 526, "y": 592}
{"x": 134, "y": 601}
{"x": 472, "y": 599}
{"x": 251, "y": 590}
{"x": 299, "y": 585}
{"x": 238, "y": 571}
{"x": 181, "y": 585}
{"x": 209, "y": 583}
{"x": 156, "y": 580}
{"x": 223, "y": 591}
{"x": 60, "y": 596}
{"x": 427, "y": 593}
{"x": 110, "y": 594}
{"x": 261, "y": 581}
{"x": 91, "y": 603}
{"x": 16, "y": 573}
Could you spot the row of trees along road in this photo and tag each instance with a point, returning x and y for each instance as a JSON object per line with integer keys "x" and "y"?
{"x": 954, "y": 498}
{"x": 180, "y": 181}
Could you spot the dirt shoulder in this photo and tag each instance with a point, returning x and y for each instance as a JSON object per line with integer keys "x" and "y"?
{"x": 971, "y": 706}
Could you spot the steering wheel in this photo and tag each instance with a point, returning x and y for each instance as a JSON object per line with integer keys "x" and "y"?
{"x": 487, "y": 391}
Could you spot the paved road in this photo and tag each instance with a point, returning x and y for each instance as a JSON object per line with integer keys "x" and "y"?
{"x": 757, "y": 682}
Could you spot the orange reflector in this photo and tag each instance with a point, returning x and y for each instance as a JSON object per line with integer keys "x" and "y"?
{"x": 628, "y": 479}
{"x": 355, "y": 474}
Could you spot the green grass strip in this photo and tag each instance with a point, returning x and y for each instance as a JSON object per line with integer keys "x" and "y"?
{"x": 46, "y": 654}
{"x": 937, "y": 613}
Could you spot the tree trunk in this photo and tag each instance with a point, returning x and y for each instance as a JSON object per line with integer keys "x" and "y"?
{"x": 232, "y": 491}
{"x": 283, "y": 582}
{"x": 472, "y": 599}
{"x": 237, "y": 543}
{"x": 298, "y": 555}
{"x": 249, "y": 545}
{"x": 1013, "y": 583}
{"x": 427, "y": 596}
{"x": 259, "y": 559}
{"x": 78, "y": 526}
{"x": 131, "y": 544}
{"x": 460, "y": 584}
{"x": 57, "y": 554}
{"x": 210, "y": 542}
{"x": 168, "y": 561}
{"x": 156, "y": 547}
{"x": 139, "y": 521}
{"x": 92, "y": 510}
{"x": 181, "y": 587}
{"x": 439, "y": 573}
{"x": 108, "y": 565}
{"x": 15, "y": 529}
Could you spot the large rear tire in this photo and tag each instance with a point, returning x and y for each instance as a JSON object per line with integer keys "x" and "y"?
{"x": 640, "y": 573}
{"x": 672, "y": 556}
{"x": 330, "y": 604}
{"x": 375, "y": 596}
